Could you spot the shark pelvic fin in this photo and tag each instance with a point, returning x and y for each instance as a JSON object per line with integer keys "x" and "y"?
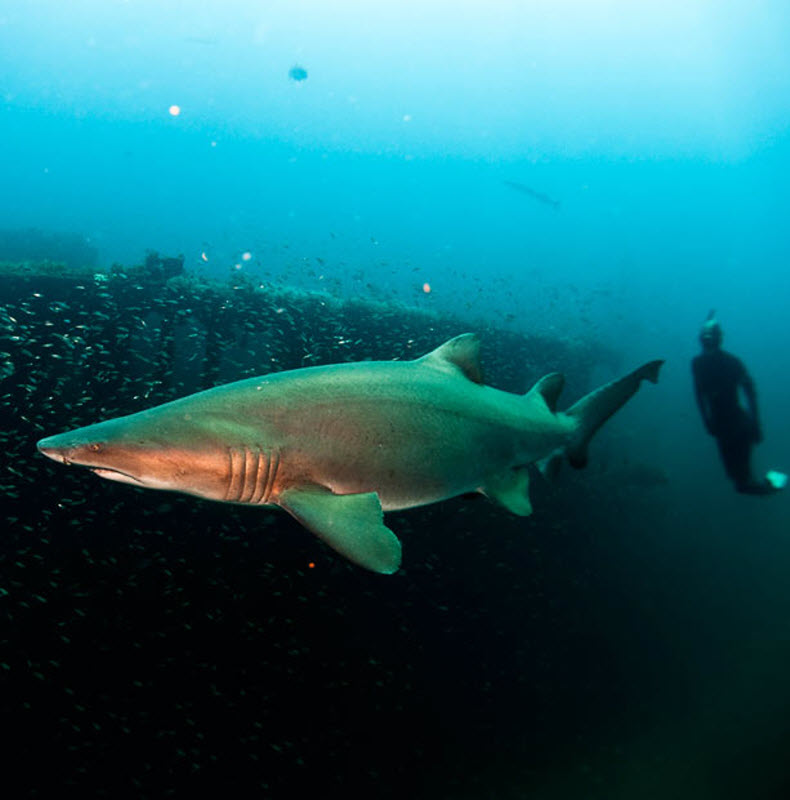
{"x": 352, "y": 524}
{"x": 550, "y": 466}
{"x": 511, "y": 490}
{"x": 462, "y": 352}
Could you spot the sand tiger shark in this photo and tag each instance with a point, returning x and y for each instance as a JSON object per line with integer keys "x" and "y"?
{"x": 338, "y": 445}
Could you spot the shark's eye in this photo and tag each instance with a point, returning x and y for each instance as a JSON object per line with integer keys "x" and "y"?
{"x": 95, "y": 447}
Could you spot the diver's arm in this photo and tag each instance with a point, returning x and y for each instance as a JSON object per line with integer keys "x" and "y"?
{"x": 702, "y": 400}
{"x": 751, "y": 402}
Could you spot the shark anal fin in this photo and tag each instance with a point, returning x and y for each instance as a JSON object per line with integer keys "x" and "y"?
{"x": 511, "y": 490}
{"x": 351, "y": 524}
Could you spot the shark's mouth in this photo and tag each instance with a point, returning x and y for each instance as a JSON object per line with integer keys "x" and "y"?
{"x": 116, "y": 475}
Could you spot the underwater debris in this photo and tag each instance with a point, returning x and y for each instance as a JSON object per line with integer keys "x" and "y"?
{"x": 157, "y": 337}
{"x": 297, "y": 73}
{"x": 155, "y": 268}
{"x": 165, "y": 267}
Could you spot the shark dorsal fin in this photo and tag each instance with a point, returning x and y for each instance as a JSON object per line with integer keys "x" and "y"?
{"x": 462, "y": 352}
{"x": 549, "y": 388}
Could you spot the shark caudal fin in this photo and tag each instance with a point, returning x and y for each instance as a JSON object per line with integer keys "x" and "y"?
{"x": 595, "y": 408}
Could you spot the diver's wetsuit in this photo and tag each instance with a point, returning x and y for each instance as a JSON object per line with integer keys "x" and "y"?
{"x": 717, "y": 377}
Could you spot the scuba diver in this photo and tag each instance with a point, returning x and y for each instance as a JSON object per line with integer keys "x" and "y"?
{"x": 717, "y": 377}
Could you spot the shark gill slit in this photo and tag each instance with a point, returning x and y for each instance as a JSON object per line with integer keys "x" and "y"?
{"x": 268, "y": 484}
{"x": 237, "y": 468}
{"x": 229, "y": 489}
{"x": 251, "y": 469}
{"x": 251, "y": 475}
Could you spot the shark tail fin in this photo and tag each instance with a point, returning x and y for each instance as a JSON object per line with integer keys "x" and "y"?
{"x": 595, "y": 408}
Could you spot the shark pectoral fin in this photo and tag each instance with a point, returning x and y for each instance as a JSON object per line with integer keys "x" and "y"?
{"x": 511, "y": 490}
{"x": 352, "y": 524}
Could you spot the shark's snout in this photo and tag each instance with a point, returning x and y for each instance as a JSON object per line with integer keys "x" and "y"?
{"x": 56, "y": 448}
{"x": 68, "y": 448}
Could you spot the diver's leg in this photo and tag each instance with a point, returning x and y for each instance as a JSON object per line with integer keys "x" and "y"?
{"x": 732, "y": 458}
{"x": 741, "y": 466}
{"x": 745, "y": 482}
{"x": 735, "y": 449}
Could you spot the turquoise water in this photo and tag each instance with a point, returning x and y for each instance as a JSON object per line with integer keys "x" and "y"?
{"x": 598, "y": 172}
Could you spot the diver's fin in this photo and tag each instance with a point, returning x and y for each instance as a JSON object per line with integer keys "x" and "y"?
{"x": 511, "y": 490}
{"x": 352, "y": 524}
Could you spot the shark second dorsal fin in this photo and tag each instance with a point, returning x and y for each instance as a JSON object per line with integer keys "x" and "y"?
{"x": 549, "y": 387}
{"x": 462, "y": 352}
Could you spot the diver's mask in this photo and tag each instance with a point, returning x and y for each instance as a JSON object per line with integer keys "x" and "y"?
{"x": 711, "y": 333}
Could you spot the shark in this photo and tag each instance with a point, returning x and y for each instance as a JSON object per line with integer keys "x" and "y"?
{"x": 336, "y": 446}
{"x": 534, "y": 194}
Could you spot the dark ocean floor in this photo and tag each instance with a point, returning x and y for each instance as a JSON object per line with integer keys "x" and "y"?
{"x": 153, "y": 645}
